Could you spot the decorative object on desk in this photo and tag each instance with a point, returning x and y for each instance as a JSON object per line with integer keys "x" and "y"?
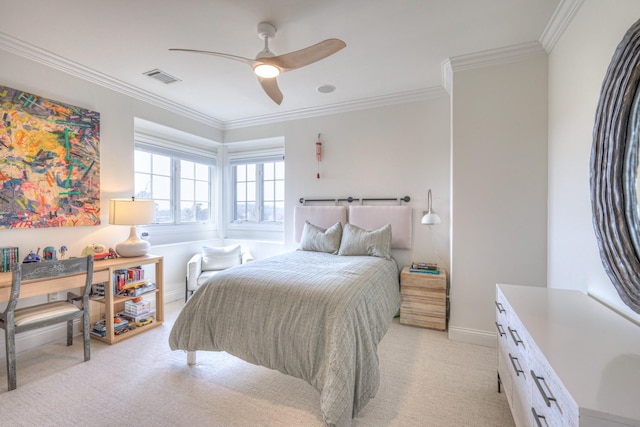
{"x": 95, "y": 249}
{"x": 430, "y": 218}
{"x": 32, "y": 257}
{"x": 63, "y": 252}
{"x": 49, "y": 254}
{"x": 132, "y": 212}
{"x": 318, "y": 155}
{"x": 51, "y": 162}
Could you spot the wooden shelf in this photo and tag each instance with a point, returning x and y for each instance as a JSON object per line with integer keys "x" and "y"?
{"x": 110, "y": 305}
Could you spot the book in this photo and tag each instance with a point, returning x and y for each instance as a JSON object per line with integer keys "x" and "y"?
{"x": 424, "y": 266}
{"x": 10, "y": 255}
{"x": 421, "y": 271}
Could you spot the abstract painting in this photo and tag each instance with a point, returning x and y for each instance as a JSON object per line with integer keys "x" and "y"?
{"x": 49, "y": 162}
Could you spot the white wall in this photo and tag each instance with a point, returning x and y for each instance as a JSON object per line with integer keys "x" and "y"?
{"x": 381, "y": 152}
{"x": 117, "y": 114}
{"x": 499, "y": 189}
{"x": 577, "y": 66}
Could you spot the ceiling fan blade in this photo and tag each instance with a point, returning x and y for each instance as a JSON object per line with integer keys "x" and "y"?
{"x": 270, "y": 86}
{"x": 306, "y": 56}
{"x": 251, "y": 62}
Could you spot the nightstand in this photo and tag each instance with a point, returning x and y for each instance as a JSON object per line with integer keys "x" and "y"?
{"x": 424, "y": 299}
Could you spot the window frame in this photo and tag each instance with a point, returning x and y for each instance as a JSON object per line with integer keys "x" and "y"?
{"x": 267, "y": 150}
{"x": 177, "y": 151}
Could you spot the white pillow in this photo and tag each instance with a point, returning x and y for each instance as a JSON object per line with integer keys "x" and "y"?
{"x": 318, "y": 239}
{"x": 358, "y": 241}
{"x": 220, "y": 258}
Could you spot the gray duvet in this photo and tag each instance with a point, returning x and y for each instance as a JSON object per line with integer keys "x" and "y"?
{"x": 312, "y": 315}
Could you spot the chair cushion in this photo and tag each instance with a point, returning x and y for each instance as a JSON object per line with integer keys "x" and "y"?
{"x": 220, "y": 258}
{"x": 25, "y": 316}
{"x": 205, "y": 276}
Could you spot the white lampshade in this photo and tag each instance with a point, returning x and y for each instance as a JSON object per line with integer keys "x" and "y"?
{"x": 430, "y": 218}
{"x": 132, "y": 212}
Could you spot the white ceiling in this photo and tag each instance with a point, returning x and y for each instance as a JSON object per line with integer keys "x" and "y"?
{"x": 394, "y": 47}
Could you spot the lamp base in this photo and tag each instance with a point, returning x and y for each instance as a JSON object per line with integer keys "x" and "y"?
{"x": 133, "y": 246}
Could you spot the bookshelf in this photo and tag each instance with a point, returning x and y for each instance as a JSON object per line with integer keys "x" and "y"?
{"x": 106, "y": 271}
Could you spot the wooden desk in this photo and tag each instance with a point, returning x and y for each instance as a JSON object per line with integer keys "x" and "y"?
{"x": 110, "y": 305}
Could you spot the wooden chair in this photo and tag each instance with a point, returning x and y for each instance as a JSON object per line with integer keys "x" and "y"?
{"x": 14, "y": 320}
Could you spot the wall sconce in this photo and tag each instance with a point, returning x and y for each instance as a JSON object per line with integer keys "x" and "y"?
{"x": 430, "y": 217}
{"x": 132, "y": 212}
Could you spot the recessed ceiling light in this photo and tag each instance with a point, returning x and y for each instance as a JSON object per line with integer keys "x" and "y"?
{"x": 326, "y": 88}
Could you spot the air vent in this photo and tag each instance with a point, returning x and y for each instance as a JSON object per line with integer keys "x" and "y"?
{"x": 161, "y": 76}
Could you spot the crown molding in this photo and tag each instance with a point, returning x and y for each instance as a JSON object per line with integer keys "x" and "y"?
{"x": 485, "y": 59}
{"x": 361, "y": 104}
{"x": 49, "y": 59}
{"x": 495, "y": 56}
{"x": 562, "y": 17}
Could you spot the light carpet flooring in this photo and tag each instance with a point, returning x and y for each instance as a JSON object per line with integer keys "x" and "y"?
{"x": 426, "y": 380}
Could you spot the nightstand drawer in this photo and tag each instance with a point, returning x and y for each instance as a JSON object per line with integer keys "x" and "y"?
{"x": 423, "y": 320}
{"x": 424, "y": 305}
{"x": 424, "y": 281}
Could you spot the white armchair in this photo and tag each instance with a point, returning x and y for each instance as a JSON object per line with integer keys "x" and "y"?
{"x": 209, "y": 262}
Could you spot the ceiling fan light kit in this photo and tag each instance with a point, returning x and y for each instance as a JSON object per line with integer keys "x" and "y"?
{"x": 268, "y": 66}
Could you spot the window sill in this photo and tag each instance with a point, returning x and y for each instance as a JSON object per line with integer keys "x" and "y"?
{"x": 162, "y": 234}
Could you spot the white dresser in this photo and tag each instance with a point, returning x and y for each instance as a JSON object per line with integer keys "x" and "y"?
{"x": 566, "y": 360}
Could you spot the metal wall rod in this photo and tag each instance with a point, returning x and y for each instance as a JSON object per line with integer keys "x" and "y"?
{"x": 348, "y": 199}
{"x": 406, "y": 199}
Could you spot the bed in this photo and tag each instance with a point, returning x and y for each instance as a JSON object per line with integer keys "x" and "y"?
{"x": 317, "y": 313}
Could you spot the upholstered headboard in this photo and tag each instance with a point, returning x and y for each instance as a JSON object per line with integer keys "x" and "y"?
{"x": 322, "y": 216}
{"x": 373, "y": 217}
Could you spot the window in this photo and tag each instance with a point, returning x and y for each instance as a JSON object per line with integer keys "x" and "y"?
{"x": 258, "y": 191}
{"x": 179, "y": 184}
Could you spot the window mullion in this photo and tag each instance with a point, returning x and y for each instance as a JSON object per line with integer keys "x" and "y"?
{"x": 175, "y": 190}
{"x": 259, "y": 191}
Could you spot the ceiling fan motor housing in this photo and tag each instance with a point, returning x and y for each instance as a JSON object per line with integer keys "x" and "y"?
{"x": 266, "y": 29}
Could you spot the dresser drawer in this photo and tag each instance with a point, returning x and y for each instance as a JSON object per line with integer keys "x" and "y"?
{"x": 549, "y": 397}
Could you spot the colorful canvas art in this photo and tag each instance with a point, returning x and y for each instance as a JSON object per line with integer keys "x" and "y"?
{"x": 49, "y": 162}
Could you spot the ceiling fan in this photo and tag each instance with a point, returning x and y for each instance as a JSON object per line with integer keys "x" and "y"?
{"x": 268, "y": 66}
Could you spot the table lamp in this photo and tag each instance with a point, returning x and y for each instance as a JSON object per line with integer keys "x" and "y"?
{"x": 132, "y": 212}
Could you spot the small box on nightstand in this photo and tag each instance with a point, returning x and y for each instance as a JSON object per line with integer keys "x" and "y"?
{"x": 424, "y": 299}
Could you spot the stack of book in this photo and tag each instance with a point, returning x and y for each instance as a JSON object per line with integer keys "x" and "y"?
{"x": 9, "y": 256}
{"x": 424, "y": 268}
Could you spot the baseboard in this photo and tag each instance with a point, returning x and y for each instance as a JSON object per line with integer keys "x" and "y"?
{"x": 174, "y": 295}
{"x": 472, "y": 336}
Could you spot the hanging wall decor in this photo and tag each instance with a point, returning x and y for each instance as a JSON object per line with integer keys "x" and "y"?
{"x": 49, "y": 162}
{"x": 318, "y": 155}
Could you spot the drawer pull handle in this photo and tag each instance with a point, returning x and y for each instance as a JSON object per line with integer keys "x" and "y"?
{"x": 538, "y": 418}
{"x": 500, "y": 307}
{"x": 515, "y": 336}
{"x": 515, "y": 368}
{"x": 547, "y": 399}
{"x": 500, "y": 329}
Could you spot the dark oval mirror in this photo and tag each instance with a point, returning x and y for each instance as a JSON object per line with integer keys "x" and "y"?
{"x": 614, "y": 170}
